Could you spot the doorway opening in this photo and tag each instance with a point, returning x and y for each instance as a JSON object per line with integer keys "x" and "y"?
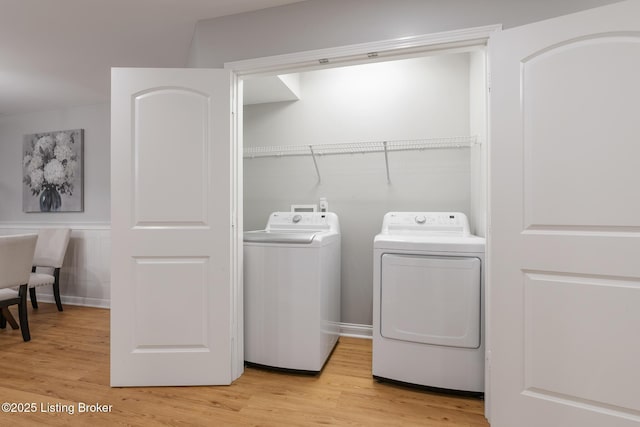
{"x": 370, "y": 133}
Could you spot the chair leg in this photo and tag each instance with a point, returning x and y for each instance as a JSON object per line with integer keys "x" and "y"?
{"x": 32, "y": 295}
{"x": 56, "y": 288}
{"x": 22, "y": 313}
{"x": 8, "y": 318}
{"x": 3, "y": 321}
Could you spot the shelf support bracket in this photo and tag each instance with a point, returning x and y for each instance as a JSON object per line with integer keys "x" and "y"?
{"x": 315, "y": 163}
{"x": 386, "y": 160}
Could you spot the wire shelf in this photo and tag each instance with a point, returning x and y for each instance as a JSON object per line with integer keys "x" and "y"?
{"x": 317, "y": 150}
{"x": 359, "y": 147}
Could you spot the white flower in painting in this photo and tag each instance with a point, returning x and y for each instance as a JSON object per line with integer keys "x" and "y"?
{"x": 44, "y": 144}
{"x": 51, "y": 162}
{"x": 36, "y": 163}
{"x": 63, "y": 152}
{"x": 70, "y": 169}
{"x": 37, "y": 179}
{"x": 63, "y": 138}
{"x": 54, "y": 172}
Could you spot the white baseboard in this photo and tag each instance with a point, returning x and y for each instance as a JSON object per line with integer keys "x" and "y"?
{"x": 352, "y": 330}
{"x": 355, "y": 330}
{"x": 71, "y": 300}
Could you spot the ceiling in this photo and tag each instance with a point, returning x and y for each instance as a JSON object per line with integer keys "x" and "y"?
{"x": 58, "y": 53}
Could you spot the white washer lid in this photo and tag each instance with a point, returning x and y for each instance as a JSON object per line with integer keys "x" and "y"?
{"x": 264, "y": 236}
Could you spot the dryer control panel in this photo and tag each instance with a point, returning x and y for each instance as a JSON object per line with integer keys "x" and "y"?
{"x": 451, "y": 223}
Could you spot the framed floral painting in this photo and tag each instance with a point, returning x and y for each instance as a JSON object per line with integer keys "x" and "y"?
{"x": 52, "y": 171}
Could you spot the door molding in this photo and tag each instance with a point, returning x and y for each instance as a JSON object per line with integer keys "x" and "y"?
{"x": 383, "y": 50}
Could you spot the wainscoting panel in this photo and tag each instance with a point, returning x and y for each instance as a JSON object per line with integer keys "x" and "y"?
{"x": 85, "y": 275}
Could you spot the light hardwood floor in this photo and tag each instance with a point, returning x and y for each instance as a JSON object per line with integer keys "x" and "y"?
{"x": 67, "y": 362}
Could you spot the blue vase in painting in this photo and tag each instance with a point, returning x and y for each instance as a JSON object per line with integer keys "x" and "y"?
{"x": 50, "y": 199}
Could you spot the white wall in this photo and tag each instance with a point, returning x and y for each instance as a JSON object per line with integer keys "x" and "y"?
{"x": 320, "y": 24}
{"x": 95, "y": 121}
{"x": 409, "y": 99}
{"x": 85, "y": 277}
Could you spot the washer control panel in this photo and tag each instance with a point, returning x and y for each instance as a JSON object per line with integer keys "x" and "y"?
{"x": 283, "y": 221}
{"x": 432, "y": 222}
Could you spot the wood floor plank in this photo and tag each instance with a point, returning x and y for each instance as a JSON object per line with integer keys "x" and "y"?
{"x": 67, "y": 362}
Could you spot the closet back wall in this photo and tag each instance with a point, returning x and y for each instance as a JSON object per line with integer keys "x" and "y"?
{"x": 410, "y": 99}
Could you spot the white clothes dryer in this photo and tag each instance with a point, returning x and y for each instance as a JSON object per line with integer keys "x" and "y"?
{"x": 428, "y": 293}
{"x": 292, "y": 291}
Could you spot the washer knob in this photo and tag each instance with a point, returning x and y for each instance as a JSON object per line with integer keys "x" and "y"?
{"x": 297, "y": 218}
{"x": 421, "y": 219}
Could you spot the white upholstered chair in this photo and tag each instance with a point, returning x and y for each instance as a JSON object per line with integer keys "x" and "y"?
{"x": 47, "y": 261}
{"x": 16, "y": 255}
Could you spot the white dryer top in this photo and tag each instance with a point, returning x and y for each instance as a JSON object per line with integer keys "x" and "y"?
{"x": 426, "y": 223}
{"x": 435, "y": 231}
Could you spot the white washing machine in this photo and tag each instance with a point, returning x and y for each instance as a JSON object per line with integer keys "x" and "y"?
{"x": 428, "y": 310}
{"x": 292, "y": 291}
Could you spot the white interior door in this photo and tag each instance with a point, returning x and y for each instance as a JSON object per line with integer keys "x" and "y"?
{"x": 173, "y": 283}
{"x": 564, "y": 242}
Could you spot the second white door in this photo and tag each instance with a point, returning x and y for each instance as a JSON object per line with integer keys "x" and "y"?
{"x": 564, "y": 237}
{"x": 173, "y": 284}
